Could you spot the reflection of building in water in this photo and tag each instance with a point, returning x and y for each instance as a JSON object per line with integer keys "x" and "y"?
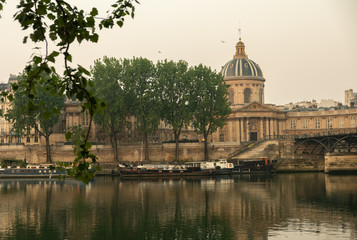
{"x": 245, "y": 207}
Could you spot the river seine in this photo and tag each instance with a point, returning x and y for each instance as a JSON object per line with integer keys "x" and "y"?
{"x": 283, "y": 206}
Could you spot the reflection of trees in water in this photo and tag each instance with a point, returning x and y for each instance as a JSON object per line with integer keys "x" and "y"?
{"x": 243, "y": 207}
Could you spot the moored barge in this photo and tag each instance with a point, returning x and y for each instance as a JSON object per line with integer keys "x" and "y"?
{"x": 161, "y": 170}
{"x": 31, "y": 171}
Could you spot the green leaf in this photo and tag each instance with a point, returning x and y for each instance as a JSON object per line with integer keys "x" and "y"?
{"x": 120, "y": 23}
{"x": 52, "y": 56}
{"x": 94, "y": 12}
{"x": 68, "y": 135}
{"x": 68, "y": 56}
{"x": 41, "y": 9}
{"x": 37, "y": 60}
{"x": 94, "y": 38}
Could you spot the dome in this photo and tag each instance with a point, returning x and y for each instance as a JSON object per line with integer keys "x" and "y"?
{"x": 241, "y": 65}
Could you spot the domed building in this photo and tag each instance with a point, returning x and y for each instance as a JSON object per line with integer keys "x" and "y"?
{"x": 251, "y": 119}
{"x": 244, "y": 77}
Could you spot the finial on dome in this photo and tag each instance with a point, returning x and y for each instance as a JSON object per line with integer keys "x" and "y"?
{"x": 240, "y": 48}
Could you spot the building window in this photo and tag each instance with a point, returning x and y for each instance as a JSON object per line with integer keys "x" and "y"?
{"x": 18, "y": 139}
{"x": 231, "y": 96}
{"x": 292, "y": 124}
{"x": 342, "y": 122}
{"x": 329, "y": 123}
{"x": 305, "y": 123}
{"x": 28, "y": 139}
{"x": 36, "y": 139}
{"x": 247, "y": 93}
{"x": 2, "y": 139}
{"x": 317, "y": 123}
{"x": 85, "y": 119}
{"x": 261, "y": 95}
{"x": 221, "y": 137}
{"x": 353, "y": 121}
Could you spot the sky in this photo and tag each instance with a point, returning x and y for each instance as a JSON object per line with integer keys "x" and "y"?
{"x": 307, "y": 49}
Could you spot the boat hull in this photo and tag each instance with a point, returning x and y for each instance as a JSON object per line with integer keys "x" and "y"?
{"x": 132, "y": 173}
{"x": 30, "y": 173}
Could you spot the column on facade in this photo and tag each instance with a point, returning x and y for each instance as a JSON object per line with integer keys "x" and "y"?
{"x": 242, "y": 130}
{"x": 67, "y": 121}
{"x": 228, "y": 137}
{"x": 261, "y": 126}
{"x": 247, "y": 129}
{"x": 272, "y": 129}
{"x": 267, "y": 127}
{"x": 238, "y": 134}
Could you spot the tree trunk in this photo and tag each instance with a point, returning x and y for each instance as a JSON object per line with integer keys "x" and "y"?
{"x": 177, "y": 152}
{"x": 115, "y": 147}
{"x": 48, "y": 149}
{"x": 205, "y": 135}
{"x": 146, "y": 146}
{"x": 113, "y": 141}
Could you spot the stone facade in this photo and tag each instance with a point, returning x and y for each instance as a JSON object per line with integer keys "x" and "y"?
{"x": 251, "y": 120}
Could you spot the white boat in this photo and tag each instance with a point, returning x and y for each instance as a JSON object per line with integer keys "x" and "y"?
{"x": 217, "y": 164}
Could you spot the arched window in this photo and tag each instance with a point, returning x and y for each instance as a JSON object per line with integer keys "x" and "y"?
{"x": 221, "y": 137}
{"x": 261, "y": 95}
{"x": 247, "y": 93}
{"x": 231, "y": 96}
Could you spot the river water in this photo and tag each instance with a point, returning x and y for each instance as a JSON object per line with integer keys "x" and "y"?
{"x": 283, "y": 206}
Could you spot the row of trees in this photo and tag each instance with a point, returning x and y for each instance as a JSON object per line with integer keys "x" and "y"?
{"x": 63, "y": 23}
{"x": 168, "y": 91}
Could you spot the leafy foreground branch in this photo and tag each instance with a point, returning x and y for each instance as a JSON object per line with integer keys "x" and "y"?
{"x": 63, "y": 23}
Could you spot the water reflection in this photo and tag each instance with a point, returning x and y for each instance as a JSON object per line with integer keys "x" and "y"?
{"x": 285, "y": 206}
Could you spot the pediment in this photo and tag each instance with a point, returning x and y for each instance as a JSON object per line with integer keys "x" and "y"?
{"x": 255, "y": 107}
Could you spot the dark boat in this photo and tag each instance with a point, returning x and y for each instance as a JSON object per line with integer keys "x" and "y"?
{"x": 159, "y": 170}
{"x": 250, "y": 166}
{"x": 31, "y": 171}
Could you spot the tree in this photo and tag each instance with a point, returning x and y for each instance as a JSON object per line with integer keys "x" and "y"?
{"x": 64, "y": 24}
{"x": 174, "y": 89}
{"x": 41, "y": 114}
{"x": 106, "y": 75}
{"x": 209, "y": 102}
{"x": 139, "y": 80}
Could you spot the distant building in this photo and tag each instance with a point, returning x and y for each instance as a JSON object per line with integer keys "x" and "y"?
{"x": 328, "y": 103}
{"x": 350, "y": 98}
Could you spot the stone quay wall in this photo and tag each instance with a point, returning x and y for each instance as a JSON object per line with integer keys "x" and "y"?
{"x": 282, "y": 152}
{"x": 127, "y": 153}
{"x": 338, "y": 162}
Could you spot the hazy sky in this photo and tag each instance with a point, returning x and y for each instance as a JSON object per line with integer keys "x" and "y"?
{"x": 307, "y": 49}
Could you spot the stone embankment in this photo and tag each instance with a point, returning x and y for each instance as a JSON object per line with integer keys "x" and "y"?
{"x": 282, "y": 152}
